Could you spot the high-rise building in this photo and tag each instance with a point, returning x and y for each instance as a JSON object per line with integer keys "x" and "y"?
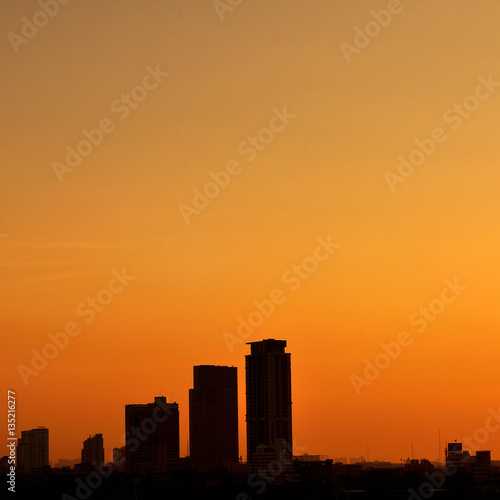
{"x": 478, "y": 465}
{"x": 93, "y": 450}
{"x": 213, "y": 417}
{"x": 269, "y": 403}
{"x": 456, "y": 455}
{"x": 152, "y": 436}
{"x": 33, "y": 450}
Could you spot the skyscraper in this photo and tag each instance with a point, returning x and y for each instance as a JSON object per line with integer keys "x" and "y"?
{"x": 269, "y": 403}
{"x": 152, "y": 436}
{"x": 33, "y": 450}
{"x": 213, "y": 416}
{"x": 93, "y": 450}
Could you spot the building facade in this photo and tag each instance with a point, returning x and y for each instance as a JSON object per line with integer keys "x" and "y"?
{"x": 152, "y": 437}
{"x": 478, "y": 465}
{"x": 213, "y": 417}
{"x": 33, "y": 450}
{"x": 269, "y": 404}
{"x": 93, "y": 450}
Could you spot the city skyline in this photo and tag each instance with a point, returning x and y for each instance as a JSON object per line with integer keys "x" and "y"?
{"x": 213, "y": 403}
{"x": 183, "y": 179}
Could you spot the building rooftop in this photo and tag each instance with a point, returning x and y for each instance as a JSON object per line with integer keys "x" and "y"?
{"x": 267, "y": 346}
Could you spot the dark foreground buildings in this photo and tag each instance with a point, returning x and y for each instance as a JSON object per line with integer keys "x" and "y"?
{"x": 93, "y": 450}
{"x": 269, "y": 404}
{"x": 152, "y": 437}
{"x": 213, "y": 417}
{"x": 478, "y": 465}
{"x": 33, "y": 450}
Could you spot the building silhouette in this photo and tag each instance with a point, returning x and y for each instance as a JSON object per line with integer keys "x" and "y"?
{"x": 33, "y": 450}
{"x": 269, "y": 404}
{"x": 478, "y": 465}
{"x": 213, "y": 417}
{"x": 93, "y": 450}
{"x": 67, "y": 463}
{"x": 152, "y": 437}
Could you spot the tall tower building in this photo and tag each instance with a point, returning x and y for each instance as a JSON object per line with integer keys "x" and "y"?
{"x": 33, "y": 450}
{"x": 93, "y": 450}
{"x": 152, "y": 437}
{"x": 269, "y": 403}
{"x": 213, "y": 417}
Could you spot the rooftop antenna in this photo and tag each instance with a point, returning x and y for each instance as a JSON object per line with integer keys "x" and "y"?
{"x": 439, "y": 447}
{"x": 412, "y": 450}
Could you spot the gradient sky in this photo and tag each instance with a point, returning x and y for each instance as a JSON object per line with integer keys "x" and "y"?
{"x": 323, "y": 175}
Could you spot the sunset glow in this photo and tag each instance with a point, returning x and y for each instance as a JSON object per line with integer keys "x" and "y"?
{"x": 180, "y": 180}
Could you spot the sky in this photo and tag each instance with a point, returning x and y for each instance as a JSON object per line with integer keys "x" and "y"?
{"x": 179, "y": 164}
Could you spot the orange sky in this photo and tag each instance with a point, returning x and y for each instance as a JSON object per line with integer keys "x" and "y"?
{"x": 321, "y": 174}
